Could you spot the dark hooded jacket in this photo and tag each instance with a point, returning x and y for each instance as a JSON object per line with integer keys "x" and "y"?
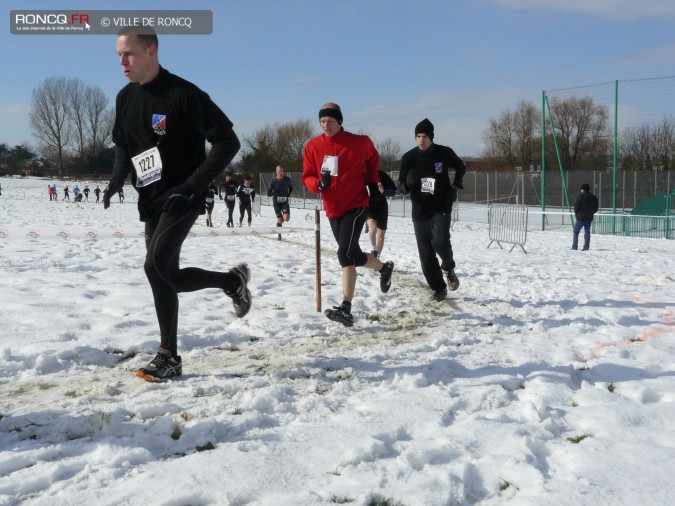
{"x": 585, "y": 206}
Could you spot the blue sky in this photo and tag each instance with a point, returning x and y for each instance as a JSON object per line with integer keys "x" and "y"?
{"x": 388, "y": 63}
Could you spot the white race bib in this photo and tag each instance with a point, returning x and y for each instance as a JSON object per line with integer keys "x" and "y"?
{"x": 230, "y": 197}
{"x": 428, "y": 185}
{"x": 281, "y": 200}
{"x": 330, "y": 163}
{"x": 148, "y": 167}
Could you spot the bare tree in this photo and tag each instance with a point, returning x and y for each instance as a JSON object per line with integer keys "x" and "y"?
{"x": 648, "y": 147}
{"x": 390, "y": 154}
{"x": 279, "y": 143}
{"x": 98, "y": 119}
{"x": 290, "y": 142}
{"x": 76, "y": 89}
{"x": 500, "y": 139}
{"x": 527, "y": 132}
{"x": 581, "y": 130}
{"x": 664, "y": 143}
{"x": 49, "y": 114}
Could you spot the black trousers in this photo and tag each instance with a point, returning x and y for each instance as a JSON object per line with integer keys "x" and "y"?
{"x": 433, "y": 238}
{"x": 244, "y": 207}
{"x": 230, "y": 211}
{"x": 164, "y": 238}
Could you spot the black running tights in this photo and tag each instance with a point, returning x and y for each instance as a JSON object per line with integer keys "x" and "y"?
{"x": 164, "y": 237}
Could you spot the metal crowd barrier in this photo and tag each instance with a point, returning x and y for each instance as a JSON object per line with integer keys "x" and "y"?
{"x": 508, "y": 223}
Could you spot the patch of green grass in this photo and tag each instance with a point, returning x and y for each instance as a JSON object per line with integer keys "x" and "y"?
{"x": 506, "y": 484}
{"x": 205, "y": 447}
{"x": 508, "y": 388}
{"x": 374, "y": 318}
{"x": 322, "y": 389}
{"x": 228, "y": 347}
{"x": 578, "y": 439}
{"x": 384, "y": 502}
{"x": 237, "y": 412}
{"x": 341, "y": 500}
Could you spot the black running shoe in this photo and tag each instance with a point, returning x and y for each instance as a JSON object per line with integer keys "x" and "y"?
{"x": 241, "y": 297}
{"x": 385, "y": 276}
{"x": 453, "y": 282}
{"x": 337, "y": 314}
{"x": 161, "y": 368}
{"x": 440, "y": 295}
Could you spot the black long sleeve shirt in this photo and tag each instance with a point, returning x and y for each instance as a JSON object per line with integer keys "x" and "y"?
{"x": 433, "y": 193}
{"x": 175, "y": 116}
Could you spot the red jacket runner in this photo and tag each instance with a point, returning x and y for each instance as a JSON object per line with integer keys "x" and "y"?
{"x": 358, "y": 164}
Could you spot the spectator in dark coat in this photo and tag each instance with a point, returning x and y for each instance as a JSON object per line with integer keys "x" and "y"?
{"x": 585, "y": 207}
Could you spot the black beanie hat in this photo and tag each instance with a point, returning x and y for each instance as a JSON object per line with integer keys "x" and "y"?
{"x": 585, "y": 187}
{"x": 425, "y": 127}
{"x": 331, "y": 113}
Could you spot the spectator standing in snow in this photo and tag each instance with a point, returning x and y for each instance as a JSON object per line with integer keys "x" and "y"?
{"x": 585, "y": 206}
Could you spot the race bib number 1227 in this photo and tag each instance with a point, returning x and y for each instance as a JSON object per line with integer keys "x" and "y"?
{"x": 148, "y": 167}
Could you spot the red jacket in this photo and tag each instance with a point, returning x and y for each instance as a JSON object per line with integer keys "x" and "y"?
{"x": 358, "y": 164}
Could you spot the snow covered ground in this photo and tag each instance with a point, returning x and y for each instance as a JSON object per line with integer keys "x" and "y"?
{"x": 548, "y": 378}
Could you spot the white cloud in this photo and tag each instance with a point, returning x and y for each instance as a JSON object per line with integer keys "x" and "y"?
{"x": 304, "y": 80}
{"x": 612, "y": 9}
{"x": 653, "y": 56}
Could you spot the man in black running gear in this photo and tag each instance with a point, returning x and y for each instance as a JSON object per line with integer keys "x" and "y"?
{"x": 161, "y": 125}
{"x": 228, "y": 192}
{"x": 425, "y": 174}
{"x": 280, "y": 189}
{"x": 246, "y": 194}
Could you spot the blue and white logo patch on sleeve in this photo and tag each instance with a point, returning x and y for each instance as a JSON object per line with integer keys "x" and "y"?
{"x": 159, "y": 123}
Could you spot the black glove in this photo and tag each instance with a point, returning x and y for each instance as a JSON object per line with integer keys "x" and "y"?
{"x": 375, "y": 193}
{"x": 180, "y": 200}
{"x": 326, "y": 180}
{"x": 271, "y": 192}
{"x": 452, "y": 195}
{"x": 114, "y": 186}
{"x": 411, "y": 180}
{"x": 458, "y": 184}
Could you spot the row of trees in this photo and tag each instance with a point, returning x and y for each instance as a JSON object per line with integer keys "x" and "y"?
{"x": 648, "y": 146}
{"x": 583, "y": 133}
{"x": 14, "y": 159}
{"x": 72, "y": 122}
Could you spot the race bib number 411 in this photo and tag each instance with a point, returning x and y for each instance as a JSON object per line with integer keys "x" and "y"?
{"x": 428, "y": 184}
{"x": 148, "y": 166}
